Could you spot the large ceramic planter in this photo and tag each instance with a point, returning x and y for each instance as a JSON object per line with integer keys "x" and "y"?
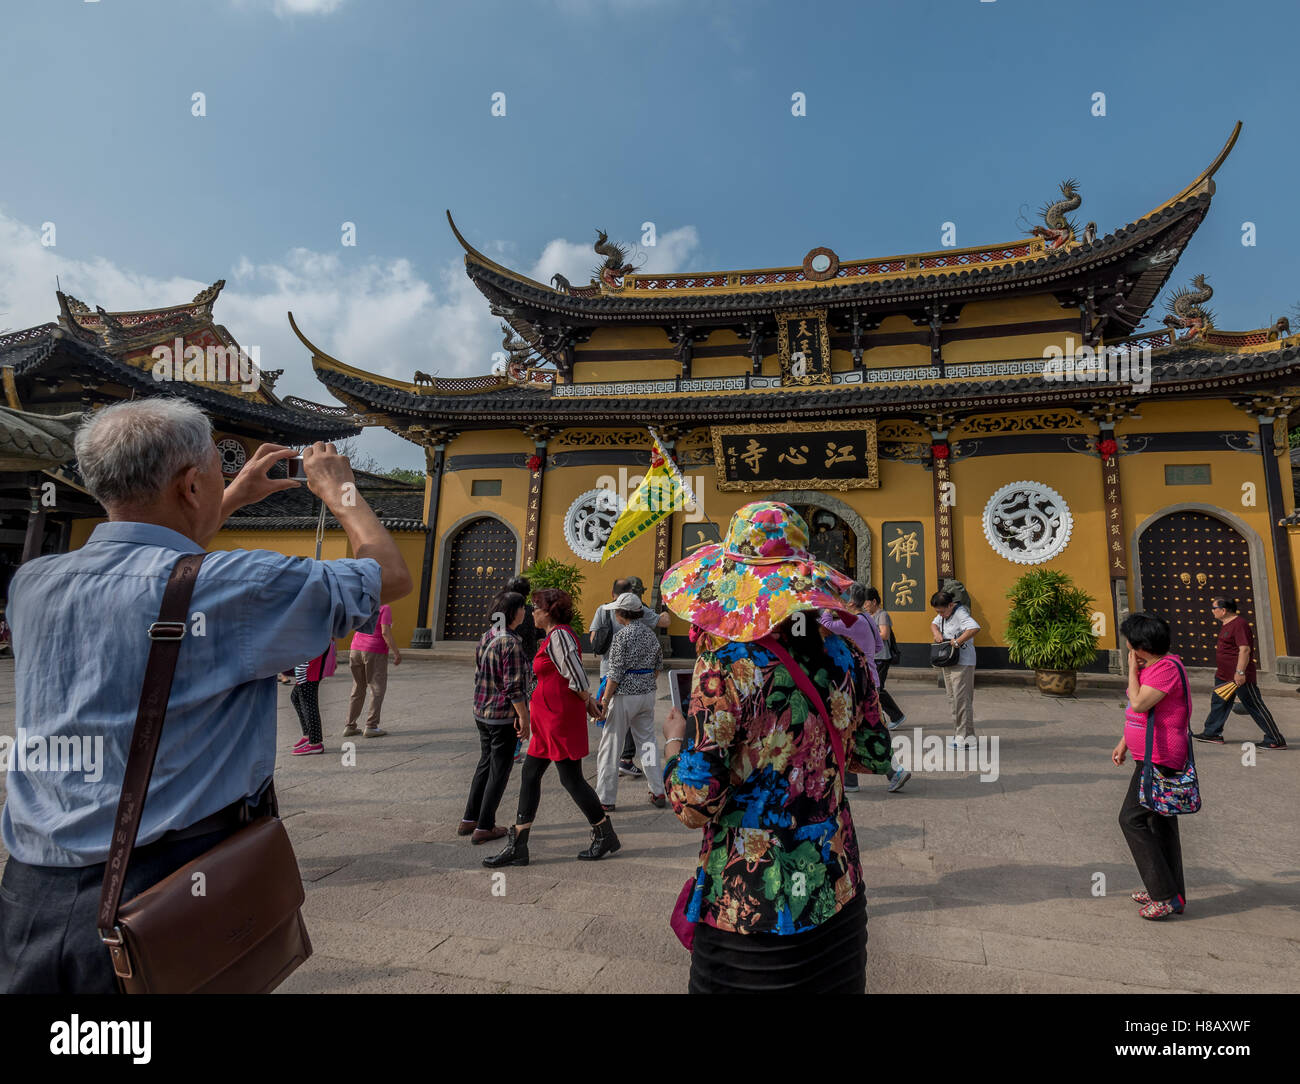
{"x": 1056, "y": 682}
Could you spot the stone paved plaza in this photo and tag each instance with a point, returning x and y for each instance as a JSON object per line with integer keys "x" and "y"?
{"x": 972, "y": 886}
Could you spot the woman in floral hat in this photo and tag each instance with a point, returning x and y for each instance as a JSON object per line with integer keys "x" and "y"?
{"x": 777, "y": 901}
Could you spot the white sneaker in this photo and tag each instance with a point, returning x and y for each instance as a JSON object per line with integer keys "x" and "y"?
{"x": 960, "y": 743}
{"x": 897, "y": 722}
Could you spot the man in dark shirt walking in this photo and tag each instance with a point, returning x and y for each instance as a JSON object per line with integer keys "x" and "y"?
{"x": 1234, "y": 663}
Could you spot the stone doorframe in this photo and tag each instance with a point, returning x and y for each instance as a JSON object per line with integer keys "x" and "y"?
{"x": 444, "y": 565}
{"x": 1258, "y": 572}
{"x": 831, "y": 504}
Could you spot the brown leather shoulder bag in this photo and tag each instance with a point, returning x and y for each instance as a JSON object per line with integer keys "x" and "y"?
{"x": 244, "y": 933}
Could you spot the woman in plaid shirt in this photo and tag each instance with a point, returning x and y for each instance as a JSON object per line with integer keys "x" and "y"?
{"x": 500, "y": 698}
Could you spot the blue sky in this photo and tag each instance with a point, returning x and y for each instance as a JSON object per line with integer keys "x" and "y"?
{"x": 618, "y": 112}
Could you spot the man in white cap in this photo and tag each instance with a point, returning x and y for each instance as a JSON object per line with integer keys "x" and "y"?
{"x": 634, "y": 661}
{"x": 601, "y": 635}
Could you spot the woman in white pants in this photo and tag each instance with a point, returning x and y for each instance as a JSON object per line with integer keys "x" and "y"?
{"x": 635, "y": 658}
{"x": 954, "y": 624}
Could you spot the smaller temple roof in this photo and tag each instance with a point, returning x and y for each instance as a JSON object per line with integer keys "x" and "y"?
{"x": 35, "y": 441}
{"x": 399, "y": 506}
{"x": 116, "y": 348}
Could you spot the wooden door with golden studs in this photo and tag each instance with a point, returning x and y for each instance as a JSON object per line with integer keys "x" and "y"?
{"x": 481, "y": 563}
{"x": 1186, "y": 559}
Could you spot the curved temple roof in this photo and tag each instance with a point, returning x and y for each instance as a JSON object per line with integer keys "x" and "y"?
{"x": 1024, "y": 261}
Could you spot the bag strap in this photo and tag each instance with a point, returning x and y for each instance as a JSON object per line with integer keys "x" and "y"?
{"x": 166, "y": 635}
{"x": 809, "y": 690}
{"x": 1148, "y": 768}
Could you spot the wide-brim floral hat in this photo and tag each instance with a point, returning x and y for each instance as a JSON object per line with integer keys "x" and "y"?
{"x": 742, "y": 588}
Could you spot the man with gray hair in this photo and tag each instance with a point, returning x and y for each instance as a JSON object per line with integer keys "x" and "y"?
{"x": 80, "y": 622}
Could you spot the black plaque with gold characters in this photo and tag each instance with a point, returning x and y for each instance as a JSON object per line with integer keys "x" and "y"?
{"x": 801, "y": 455}
{"x": 902, "y": 581}
{"x": 804, "y": 346}
{"x": 695, "y": 535}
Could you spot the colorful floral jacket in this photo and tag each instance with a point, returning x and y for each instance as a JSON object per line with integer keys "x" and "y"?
{"x": 758, "y": 773}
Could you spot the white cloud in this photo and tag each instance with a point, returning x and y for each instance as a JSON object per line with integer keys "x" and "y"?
{"x": 287, "y": 8}
{"x": 576, "y": 260}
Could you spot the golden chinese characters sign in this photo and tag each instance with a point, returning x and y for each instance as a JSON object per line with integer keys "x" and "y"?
{"x": 804, "y": 347}
{"x": 902, "y": 585}
{"x": 807, "y": 455}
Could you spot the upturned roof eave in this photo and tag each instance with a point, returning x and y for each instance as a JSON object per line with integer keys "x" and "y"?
{"x": 264, "y": 415}
{"x": 610, "y": 306}
{"x": 1053, "y": 270}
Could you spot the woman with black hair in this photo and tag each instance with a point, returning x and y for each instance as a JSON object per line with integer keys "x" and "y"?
{"x": 500, "y": 700}
{"x": 558, "y": 713}
{"x": 1157, "y": 686}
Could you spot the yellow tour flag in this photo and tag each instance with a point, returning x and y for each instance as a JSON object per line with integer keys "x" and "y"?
{"x": 661, "y": 493}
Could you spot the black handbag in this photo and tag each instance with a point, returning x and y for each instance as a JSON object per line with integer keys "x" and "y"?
{"x": 944, "y": 654}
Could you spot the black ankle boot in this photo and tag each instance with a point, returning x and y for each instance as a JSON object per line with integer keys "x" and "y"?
{"x": 516, "y": 852}
{"x": 603, "y": 841}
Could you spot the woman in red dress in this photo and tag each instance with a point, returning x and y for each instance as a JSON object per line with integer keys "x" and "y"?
{"x": 558, "y": 714}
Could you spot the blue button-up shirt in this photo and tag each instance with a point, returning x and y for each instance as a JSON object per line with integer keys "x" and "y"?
{"x": 80, "y": 643}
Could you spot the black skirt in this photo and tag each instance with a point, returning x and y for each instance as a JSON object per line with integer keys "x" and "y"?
{"x": 832, "y": 959}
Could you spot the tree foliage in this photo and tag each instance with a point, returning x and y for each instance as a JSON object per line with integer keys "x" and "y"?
{"x": 551, "y": 572}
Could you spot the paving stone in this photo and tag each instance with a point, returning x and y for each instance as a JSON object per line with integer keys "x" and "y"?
{"x": 1079, "y": 959}
{"x": 623, "y": 975}
{"x": 562, "y": 970}
{"x": 490, "y": 918}
{"x": 370, "y": 942}
{"x": 323, "y": 975}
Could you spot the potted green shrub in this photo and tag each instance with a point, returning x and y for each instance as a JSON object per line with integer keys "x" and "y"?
{"x": 550, "y": 572}
{"x": 1050, "y": 629}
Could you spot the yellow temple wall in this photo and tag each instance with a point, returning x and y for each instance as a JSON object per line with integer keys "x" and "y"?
{"x": 987, "y": 575}
{"x": 737, "y": 365}
{"x": 458, "y": 500}
{"x": 905, "y": 354}
{"x": 1002, "y": 348}
{"x": 611, "y": 372}
{"x": 1011, "y": 310}
{"x": 81, "y": 529}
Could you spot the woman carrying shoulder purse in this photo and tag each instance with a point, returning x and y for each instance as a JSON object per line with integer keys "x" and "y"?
{"x": 780, "y": 709}
{"x": 954, "y": 626}
{"x": 1153, "y": 675}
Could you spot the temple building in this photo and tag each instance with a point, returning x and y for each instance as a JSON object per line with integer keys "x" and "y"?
{"x": 55, "y": 372}
{"x": 964, "y": 415}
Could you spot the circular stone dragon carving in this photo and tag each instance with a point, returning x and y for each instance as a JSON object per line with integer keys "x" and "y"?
{"x": 1027, "y": 522}
{"x": 589, "y": 523}
{"x": 233, "y": 455}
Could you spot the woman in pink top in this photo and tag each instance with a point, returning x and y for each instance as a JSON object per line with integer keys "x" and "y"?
{"x": 368, "y": 660}
{"x": 1156, "y": 684}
